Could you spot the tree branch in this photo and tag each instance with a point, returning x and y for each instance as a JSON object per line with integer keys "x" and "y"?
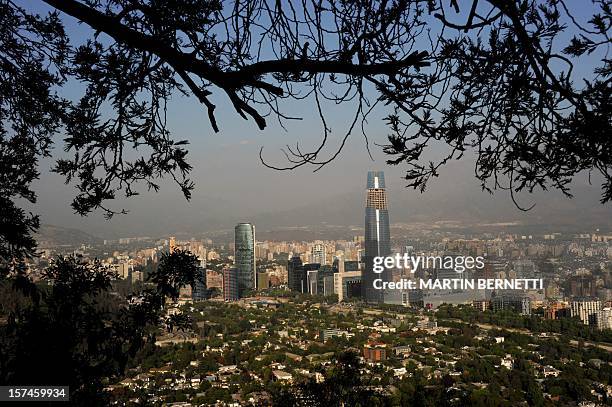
{"x": 415, "y": 59}
{"x": 245, "y": 76}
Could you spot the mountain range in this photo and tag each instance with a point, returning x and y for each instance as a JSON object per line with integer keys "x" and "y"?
{"x": 465, "y": 204}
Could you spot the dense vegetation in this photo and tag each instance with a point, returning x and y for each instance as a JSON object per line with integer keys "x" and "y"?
{"x": 72, "y": 329}
{"x": 570, "y": 328}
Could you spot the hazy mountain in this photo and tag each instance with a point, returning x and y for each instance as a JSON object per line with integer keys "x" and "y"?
{"x": 461, "y": 204}
{"x": 332, "y": 215}
{"x": 454, "y": 197}
{"x": 51, "y": 235}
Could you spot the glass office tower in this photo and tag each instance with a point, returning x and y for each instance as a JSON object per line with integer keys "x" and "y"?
{"x": 296, "y": 275}
{"x": 244, "y": 257}
{"x": 377, "y": 235}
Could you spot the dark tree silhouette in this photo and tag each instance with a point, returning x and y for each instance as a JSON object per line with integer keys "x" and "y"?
{"x": 30, "y": 114}
{"x": 70, "y": 330}
{"x": 177, "y": 269}
{"x": 522, "y": 87}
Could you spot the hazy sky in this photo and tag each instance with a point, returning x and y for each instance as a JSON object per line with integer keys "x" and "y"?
{"x": 230, "y": 180}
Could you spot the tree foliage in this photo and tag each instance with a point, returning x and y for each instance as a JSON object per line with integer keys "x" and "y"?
{"x": 30, "y": 114}
{"x": 71, "y": 330}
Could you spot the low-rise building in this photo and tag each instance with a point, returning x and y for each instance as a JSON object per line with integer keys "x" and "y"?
{"x": 375, "y": 352}
{"x": 282, "y": 376}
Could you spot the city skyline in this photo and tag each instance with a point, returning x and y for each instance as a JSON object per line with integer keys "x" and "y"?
{"x": 574, "y": 304}
{"x": 458, "y": 202}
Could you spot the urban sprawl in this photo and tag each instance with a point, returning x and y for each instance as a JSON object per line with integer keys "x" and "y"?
{"x": 269, "y": 316}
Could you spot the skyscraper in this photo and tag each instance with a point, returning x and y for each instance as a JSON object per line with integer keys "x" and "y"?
{"x": 230, "y": 284}
{"x": 325, "y": 280}
{"x": 244, "y": 257}
{"x": 377, "y": 234}
{"x": 296, "y": 275}
{"x": 311, "y": 271}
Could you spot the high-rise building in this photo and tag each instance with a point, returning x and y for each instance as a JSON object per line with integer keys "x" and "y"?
{"x": 552, "y": 290}
{"x": 351, "y": 265}
{"x": 200, "y": 291}
{"x": 582, "y": 286}
{"x": 311, "y": 281}
{"x": 296, "y": 275}
{"x": 311, "y": 271}
{"x": 230, "y": 284}
{"x": 318, "y": 253}
{"x": 481, "y": 305}
{"x": 556, "y": 310}
{"x": 214, "y": 279}
{"x": 339, "y": 264}
{"x": 585, "y": 308}
{"x": 345, "y": 285}
{"x": 515, "y": 302}
{"x": 347, "y": 279}
{"x": 377, "y": 234}
{"x": 244, "y": 257}
{"x": 325, "y": 280}
{"x": 603, "y": 319}
{"x": 172, "y": 244}
{"x": 124, "y": 270}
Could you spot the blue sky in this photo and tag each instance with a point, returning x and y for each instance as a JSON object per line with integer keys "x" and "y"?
{"x": 227, "y": 170}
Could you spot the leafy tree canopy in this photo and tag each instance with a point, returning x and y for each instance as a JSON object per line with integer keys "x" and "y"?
{"x": 70, "y": 329}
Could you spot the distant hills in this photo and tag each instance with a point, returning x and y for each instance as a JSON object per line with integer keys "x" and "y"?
{"x": 53, "y": 236}
{"x": 331, "y": 215}
{"x": 467, "y": 206}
